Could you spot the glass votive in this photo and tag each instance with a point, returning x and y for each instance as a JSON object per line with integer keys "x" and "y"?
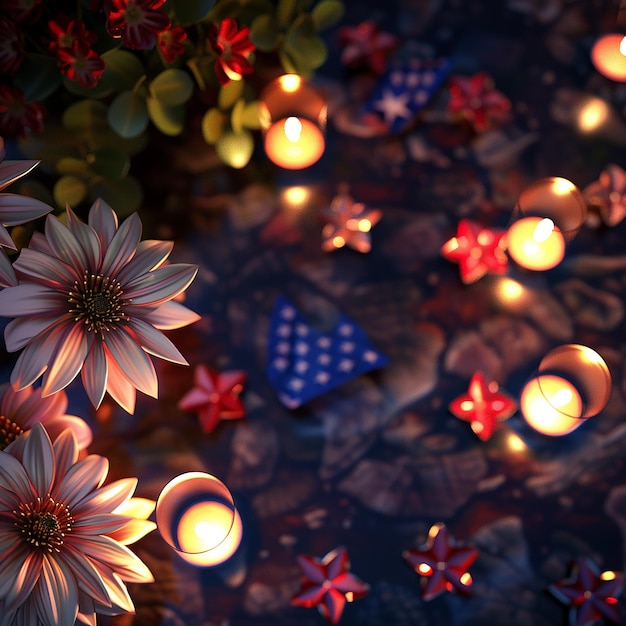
{"x": 609, "y": 56}
{"x": 195, "y": 513}
{"x": 573, "y": 383}
{"x": 547, "y": 215}
{"x": 293, "y": 118}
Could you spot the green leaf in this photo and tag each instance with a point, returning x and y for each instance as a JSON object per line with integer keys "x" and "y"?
{"x": 305, "y": 48}
{"x": 212, "y": 125}
{"x": 109, "y": 162}
{"x": 224, "y": 8}
{"x": 172, "y": 87}
{"x": 74, "y": 167}
{"x": 245, "y": 116}
{"x": 85, "y": 115}
{"x": 289, "y": 65}
{"x": 122, "y": 72}
{"x": 38, "y": 76}
{"x": 235, "y": 149}
{"x": 229, "y": 94}
{"x": 191, "y": 11}
{"x": 285, "y": 11}
{"x": 253, "y": 8}
{"x": 69, "y": 189}
{"x": 170, "y": 120}
{"x": 127, "y": 114}
{"x": 326, "y": 13}
{"x": 264, "y": 33}
{"x": 36, "y": 189}
{"x": 124, "y": 195}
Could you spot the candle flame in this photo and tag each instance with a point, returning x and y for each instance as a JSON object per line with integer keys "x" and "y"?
{"x": 290, "y": 82}
{"x": 543, "y": 230}
{"x": 293, "y": 129}
{"x": 561, "y": 398}
{"x": 622, "y": 46}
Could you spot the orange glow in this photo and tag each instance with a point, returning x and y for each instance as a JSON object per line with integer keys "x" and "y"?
{"x": 294, "y": 143}
{"x": 290, "y": 82}
{"x": 339, "y": 241}
{"x": 592, "y": 115}
{"x": 536, "y": 243}
{"x": 466, "y": 579}
{"x": 515, "y": 443}
{"x": 365, "y": 225}
{"x": 609, "y": 56}
{"x": 204, "y": 526}
{"x": 294, "y": 196}
{"x": 608, "y": 575}
{"x": 349, "y": 596}
{"x": 424, "y": 569}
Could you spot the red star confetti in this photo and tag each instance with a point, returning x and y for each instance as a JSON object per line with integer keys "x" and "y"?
{"x": 477, "y": 250}
{"x": 483, "y": 406}
{"x": 349, "y": 224}
{"x": 365, "y": 44}
{"x": 442, "y": 564}
{"x": 215, "y": 396}
{"x": 476, "y": 100}
{"x": 328, "y": 585}
{"x": 591, "y": 595}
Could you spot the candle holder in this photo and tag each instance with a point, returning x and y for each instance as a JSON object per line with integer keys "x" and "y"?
{"x": 548, "y": 214}
{"x": 293, "y": 118}
{"x": 573, "y": 383}
{"x": 609, "y": 56}
{"x": 196, "y": 514}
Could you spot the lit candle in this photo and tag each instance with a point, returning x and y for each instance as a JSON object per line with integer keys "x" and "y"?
{"x": 551, "y": 404}
{"x": 209, "y": 529}
{"x": 609, "y": 56}
{"x": 535, "y": 243}
{"x": 293, "y": 117}
{"x": 294, "y": 143}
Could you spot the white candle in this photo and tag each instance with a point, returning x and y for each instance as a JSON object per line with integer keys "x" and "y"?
{"x": 535, "y": 243}
{"x": 551, "y": 405}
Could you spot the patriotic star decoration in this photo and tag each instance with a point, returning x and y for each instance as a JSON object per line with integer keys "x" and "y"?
{"x": 483, "y": 406}
{"x": 475, "y": 99}
{"x": 405, "y": 90}
{"x": 365, "y": 44}
{"x": 349, "y": 223}
{"x": 304, "y": 363}
{"x": 328, "y": 584}
{"x": 591, "y": 595}
{"x": 215, "y": 396}
{"x": 477, "y": 250}
{"x": 442, "y": 564}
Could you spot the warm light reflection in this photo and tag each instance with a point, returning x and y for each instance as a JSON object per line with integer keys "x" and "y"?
{"x": 296, "y": 196}
{"x": 551, "y": 405}
{"x": 466, "y": 579}
{"x": 510, "y": 290}
{"x": 515, "y": 443}
{"x": 608, "y": 575}
{"x": 293, "y": 129}
{"x": 290, "y": 82}
{"x": 349, "y": 596}
{"x": 609, "y": 56}
{"x": 339, "y": 241}
{"x": 536, "y": 243}
{"x": 203, "y": 526}
{"x": 424, "y": 569}
{"x": 364, "y": 225}
{"x": 543, "y": 230}
{"x": 592, "y": 115}
{"x": 562, "y": 186}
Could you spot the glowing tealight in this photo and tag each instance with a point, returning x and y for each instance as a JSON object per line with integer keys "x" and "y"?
{"x": 551, "y": 405}
{"x": 295, "y": 196}
{"x": 609, "y": 56}
{"x": 294, "y": 143}
{"x": 536, "y": 243}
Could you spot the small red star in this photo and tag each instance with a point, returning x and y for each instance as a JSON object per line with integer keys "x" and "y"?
{"x": 483, "y": 406}
{"x": 443, "y": 565}
{"x": 590, "y": 594}
{"x": 349, "y": 224}
{"x": 327, "y": 584}
{"x": 477, "y": 250}
{"x": 215, "y": 396}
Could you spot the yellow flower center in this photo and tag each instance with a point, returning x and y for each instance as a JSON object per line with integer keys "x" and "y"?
{"x": 9, "y": 431}
{"x": 43, "y": 523}
{"x": 97, "y": 302}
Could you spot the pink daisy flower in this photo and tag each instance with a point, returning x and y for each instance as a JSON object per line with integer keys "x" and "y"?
{"x": 14, "y": 210}
{"x": 21, "y": 410}
{"x": 137, "y": 22}
{"x": 93, "y": 299}
{"x": 59, "y": 561}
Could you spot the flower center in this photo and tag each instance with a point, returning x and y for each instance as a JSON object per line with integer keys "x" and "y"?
{"x": 97, "y": 302}
{"x": 134, "y": 15}
{"x": 9, "y": 431}
{"x": 43, "y": 523}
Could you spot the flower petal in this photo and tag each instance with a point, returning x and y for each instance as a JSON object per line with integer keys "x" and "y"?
{"x": 133, "y": 531}
{"x": 64, "y": 244}
{"x": 7, "y": 273}
{"x": 162, "y": 284}
{"x": 56, "y": 425}
{"x": 10, "y": 171}
{"x": 100, "y": 524}
{"x": 86, "y": 574}
{"x": 150, "y": 255}
{"x": 121, "y": 390}
{"x": 13, "y": 477}
{"x": 95, "y": 374}
{"x": 105, "y": 499}
{"x": 45, "y": 269}
{"x": 68, "y": 360}
{"x": 22, "y": 581}
{"x": 155, "y": 342}
{"x": 171, "y": 315}
{"x": 15, "y": 209}
{"x": 87, "y": 238}
{"x": 133, "y": 361}
{"x": 103, "y": 220}
{"x": 56, "y": 595}
{"x": 22, "y": 330}
{"x": 29, "y": 299}
{"x": 66, "y": 453}
{"x": 38, "y": 460}
{"x": 123, "y": 246}
{"x": 81, "y": 480}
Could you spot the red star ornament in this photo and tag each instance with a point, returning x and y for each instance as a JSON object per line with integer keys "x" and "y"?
{"x": 349, "y": 224}
{"x": 590, "y": 594}
{"x": 442, "y": 564}
{"x": 477, "y": 250}
{"x": 483, "y": 406}
{"x": 215, "y": 396}
{"x": 328, "y": 585}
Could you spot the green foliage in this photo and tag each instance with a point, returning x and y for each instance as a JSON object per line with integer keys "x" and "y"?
{"x": 327, "y": 13}
{"x": 69, "y": 189}
{"x": 128, "y": 115}
{"x": 38, "y": 77}
{"x": 235, "y": 149}
{"x": 190, "y": 11}
{"x": 125, "y": 194}
{"x": 170, "y": 120}
{"x": 172, "y": 87}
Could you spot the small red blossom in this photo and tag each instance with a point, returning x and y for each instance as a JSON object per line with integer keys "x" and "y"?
{"x": 366, "y": 45}
{"x": 328, "y": 584}
{"x": 18, "y": 116}
{"x": 20, "y": 10}
{"x": 81, "y": 63}
{"x": 11, "y": 51}
{"x": 475, "y": 99}
{"x": 171, "y": 44}
{"x": 232, "y": 46}
{"x": 66, "y": 31}
{"x": 483, "y": 406}
{"x": 137, "y": 22}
